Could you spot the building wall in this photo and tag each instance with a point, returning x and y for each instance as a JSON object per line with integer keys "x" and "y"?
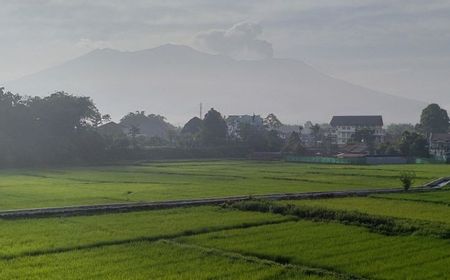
{"x": 344, "y": 133}
{"x": 439, "y": 149}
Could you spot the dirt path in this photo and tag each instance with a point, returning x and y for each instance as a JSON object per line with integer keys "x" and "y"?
{"x": 137, "y": 206}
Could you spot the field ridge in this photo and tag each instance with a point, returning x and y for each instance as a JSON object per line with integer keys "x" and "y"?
{"x": 270, "y": 260}
{"x": 139, "y": 206}
{"x": 375, "y": 223}
{"x": 184, "y": 233}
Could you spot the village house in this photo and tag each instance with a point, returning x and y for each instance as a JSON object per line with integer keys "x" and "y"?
{"x": 439, "y": 145}
{"x": 345, "y": 127}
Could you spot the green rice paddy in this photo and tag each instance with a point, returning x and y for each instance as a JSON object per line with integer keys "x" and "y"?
{"x": 142, "y": 260}
{"x": 341, "y": 248}
{"x": 408, "y": 209}
{"x": 186, "y": 180}
{"x": 214, "y": 242}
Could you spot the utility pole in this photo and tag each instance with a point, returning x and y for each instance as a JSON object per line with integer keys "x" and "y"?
{"x": 201, "y": 111}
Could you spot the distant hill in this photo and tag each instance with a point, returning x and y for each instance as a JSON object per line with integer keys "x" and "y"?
{"x": 172, "y": 80}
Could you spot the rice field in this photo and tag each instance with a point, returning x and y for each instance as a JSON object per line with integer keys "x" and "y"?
{"x": 142, "y": 260}
{"x": 35, "y": 236}
{"x": 344, "y": 249}
{"x": 438, "y": 197}
{"x": 31, "y": 188}
{"x": 362, "y": 240}
{"x": 390, "y": 205}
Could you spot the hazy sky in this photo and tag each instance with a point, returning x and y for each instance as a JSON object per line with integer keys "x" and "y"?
{"x": 399, "y": 47}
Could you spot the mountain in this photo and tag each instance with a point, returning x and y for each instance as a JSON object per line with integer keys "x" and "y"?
{"x": 172, "y": 80}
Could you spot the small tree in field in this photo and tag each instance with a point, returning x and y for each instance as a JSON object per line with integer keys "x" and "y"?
{"x": 407, "y": 178}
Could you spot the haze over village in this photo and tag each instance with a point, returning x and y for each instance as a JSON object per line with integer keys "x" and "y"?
{"x": 306, "y": 61}
{"x": 223, "y": 139}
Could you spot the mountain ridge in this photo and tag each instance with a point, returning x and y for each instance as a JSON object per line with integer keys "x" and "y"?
{"x": 173, "y": 79}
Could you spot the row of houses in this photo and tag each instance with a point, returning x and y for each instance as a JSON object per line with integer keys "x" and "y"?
{"x": 340, "y": 132}
{"x": 341, "y": 129}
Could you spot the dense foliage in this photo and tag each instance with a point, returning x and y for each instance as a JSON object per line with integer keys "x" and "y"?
{"x": 434, "y": 119}
{"x": 57, "y": 128}
{"x": 214, "y": 129}
{"x": 62, "y": 128}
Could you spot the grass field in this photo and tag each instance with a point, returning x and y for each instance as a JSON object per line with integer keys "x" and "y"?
{"x": 214, "y": 242}
{"x": 417, "y": 209}
{"x": 438, "y": 197}
{"x": 181, "y": 180}
{"x": 143, "y": 260}
{"x": 33, "y": 236}
{"x": 336, "y": 247}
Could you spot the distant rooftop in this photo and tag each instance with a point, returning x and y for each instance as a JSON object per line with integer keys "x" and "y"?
{"x": 440, "y": 137}
{"x": 244, "y": 118}
{"x": 357, "y": 121}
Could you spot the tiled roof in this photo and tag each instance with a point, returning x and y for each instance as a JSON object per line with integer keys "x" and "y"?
{"x": 357, "y": 121}
{"x": 444, "y": 137}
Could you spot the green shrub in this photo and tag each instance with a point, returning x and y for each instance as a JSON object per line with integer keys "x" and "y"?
{"x": 407, "y": 178}
{"x": 380, "y": 224}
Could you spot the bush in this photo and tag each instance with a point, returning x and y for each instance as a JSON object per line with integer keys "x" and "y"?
{"x": 407, "y": 178}
{"x": 380, "y": 224}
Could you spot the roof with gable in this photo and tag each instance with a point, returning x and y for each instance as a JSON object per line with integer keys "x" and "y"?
{"x": 440, "y": 137}
{"x": 375, "y": 120}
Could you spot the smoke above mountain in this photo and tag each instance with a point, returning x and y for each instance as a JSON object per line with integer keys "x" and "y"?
{"x": 239, "y": 41}
{"x": 172, "y": 80}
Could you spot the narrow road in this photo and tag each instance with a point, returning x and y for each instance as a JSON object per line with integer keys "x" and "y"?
{"x": 137, "y": 206}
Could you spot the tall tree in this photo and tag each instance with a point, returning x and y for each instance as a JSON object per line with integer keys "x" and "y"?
{"x": 215, "y": 130}
{"x": 294, "y": 144}
{"x": 52, "y": 129}
{"x": 395, "y": 131}
{"x": 413, "y": 144}
{"x": 193, "y": 126}
{"x": 271, "y": 122}
{"x": 61, "y": 122}
{"x": 434, "y": 119}
{"x": 133, "y": 132}
{"x": 254, "y": 137}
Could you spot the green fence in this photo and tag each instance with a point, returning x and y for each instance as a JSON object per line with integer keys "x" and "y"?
{"x": 329, "y": 160}
{"x": 366, "y": 160}
{"x": 432, "y": 160}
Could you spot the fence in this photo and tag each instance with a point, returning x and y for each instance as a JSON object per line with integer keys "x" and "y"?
{"x": 329, "y": 160}
{"x": 368, "y": 160}
{"x": 432, "y": 160}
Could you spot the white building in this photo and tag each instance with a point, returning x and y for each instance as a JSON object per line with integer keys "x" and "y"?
{"x": 345, "y": 127}
{"x": 439, "y": 145}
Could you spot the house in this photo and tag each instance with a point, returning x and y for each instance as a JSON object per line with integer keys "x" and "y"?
{"x": 345, "y": 127}
{"x": 309, "y": 139}
{"x": 234, "y": 123}
{"x": 439, "y": 145}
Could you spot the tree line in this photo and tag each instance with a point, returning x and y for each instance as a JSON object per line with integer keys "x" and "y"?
{"x": 66, "y": 129}
{"x": 62, "y": 128}
{"x": 52, "y": 129}
{"x": 413, "y": 140}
